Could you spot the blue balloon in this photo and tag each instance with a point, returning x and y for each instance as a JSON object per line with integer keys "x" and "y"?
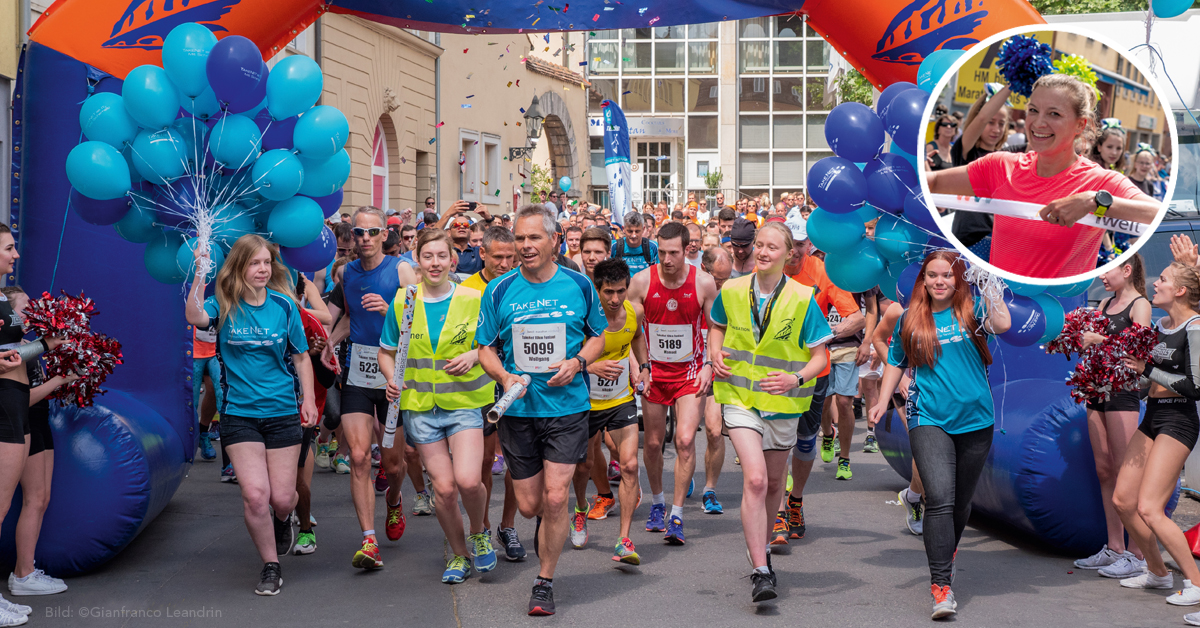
{"x": 294, "y": 86}
{"x": 160, "y": 156}
{"x": 177, "y": 203}
{"x": 1028, "y": 321}
{"x": 832, "y": 235}
{"x": 194, "y": 132}
{"x": 938, "y": 242}
{"x": 295, "y": 222}
{"x": 905, "y": 119}
{"x": 97, "y": 212}
{"x": 1069, "y": 289}
{"x": 897, "y": 240}
{"x": 253, "y": 112}
{"x": 276, "y": 133}
{"x": 103, "y": 119}
{"x": 127, "y": 155}
{"x": 935, "y": 66}
{"x": 138, "y": 224}
{"x": 98, "y": 171}
{"x": 906, "y": 281}
{"x": 564, "y": 183}
{"x": 150, "y": 97}
{"x": 920, "y": 214}
{"x": 160, "y": 255}
{"x": 887, "y": 283}
{"x": 911, "y": 159}
{"x": 856, "y": 270}
{"x": 324, "y": 177}
{"x": 1167, "y": 9}
{"x": 321, "y": 132}
{"x": 889, "y": 180}
{"x": 185, "y": 259}
{"x": 836, "y": 185}
{"x": 330, "y": 204}
{"x": 278, "y": 174}
{"x": 235, "y": 141}
{"x": 185, "y": 56}
{"x": 854, "y": 132}
{"x": 234, "y": 70}
{"x": 204, "y": 106}
{"x": 1024, "y": 289}
{"x": 229, "y": 230}
{"x": 885, "y": 97}
{"x": 253, "y": 98}
{"x": 1055, "y": 316}
{"x": 313, "y": 256}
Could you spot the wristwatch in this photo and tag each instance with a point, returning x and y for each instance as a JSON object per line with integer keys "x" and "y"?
{"x": 799, "y": 380}
{"x": 644, "y": 367}
{"x": 1104, "y": 200}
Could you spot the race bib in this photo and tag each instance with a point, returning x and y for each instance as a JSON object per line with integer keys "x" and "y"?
{"x": 670, "y": 343}
{"x": 536, "y": 347}
{"x": 609, "y": 389}
{"x": 364, "y": 367}
{"x": 204, "y": 335}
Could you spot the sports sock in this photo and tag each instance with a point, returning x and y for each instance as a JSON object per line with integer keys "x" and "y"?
{"x": 657, "y": 498}
{"x": 546, "y": 582}
{"x": 606, "y": 495}
{"x": 762, "y": 570}
{"x": 708, "y": 489}
{"x": 911, "y": 497}
{"x": 677, "y": 511}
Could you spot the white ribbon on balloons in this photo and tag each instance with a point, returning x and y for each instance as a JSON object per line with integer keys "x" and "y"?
{"x": 1029, "y": 211}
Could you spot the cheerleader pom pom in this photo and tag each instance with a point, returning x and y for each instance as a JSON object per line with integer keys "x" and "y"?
{"x": 1022, "y": 61}
{"x": 1077, "y": 66}
{"x": 93, "y": 357}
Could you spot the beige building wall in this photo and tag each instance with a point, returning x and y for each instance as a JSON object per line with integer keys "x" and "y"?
{"x": 10, "y": 37}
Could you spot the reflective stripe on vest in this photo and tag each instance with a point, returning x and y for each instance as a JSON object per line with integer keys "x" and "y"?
{"x": 425, "y": 378}
{"x": 751, "y": 361}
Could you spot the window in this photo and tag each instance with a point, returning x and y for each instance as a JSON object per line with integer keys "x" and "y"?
{"x": 379, "y": 169}
{"x": 469, "y": 171}
{"x": 490, "y": 186}
{"x": 636, "y": 97}
{"x": 702, "y": 132}
{"x": 668, "y": 95}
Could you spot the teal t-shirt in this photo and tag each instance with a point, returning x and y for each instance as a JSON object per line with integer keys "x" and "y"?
{"x": 435, "y": 316}
{"x": 954, "y": 393}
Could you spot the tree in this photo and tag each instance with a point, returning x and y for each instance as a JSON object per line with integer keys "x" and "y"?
{"x": 540, "y": 180}
{"x": 852, "y": 86}
{"x": 1060, "y": 7}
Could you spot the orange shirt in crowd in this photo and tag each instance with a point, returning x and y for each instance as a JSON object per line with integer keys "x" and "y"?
{"x": 812, "y": 274}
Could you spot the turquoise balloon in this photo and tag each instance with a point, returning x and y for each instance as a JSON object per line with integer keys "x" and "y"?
{"x": 1070, "y": 289}
{"x": 150, "y": 97}
{"x": 98, "y": 171}
{"x": 1025, "y": 289}
{"x": 228, "y": 232}
{"x": 856, "y": 270}
{"x": 278, "y": 174}
{"x": 866, "y": 213}
{"x": 832, "y": 235}
{"x": 897, "y": 240}
{"x": 909, "y": 157}
{"x": 127, "y": 155}
{"x": 564, "y": 183}
{"x": 293, "y": 86}
{"x": 320, "y": 133}
{"x": 935, "y": 65}
{"x": 185, "y": 259}
{"x": 324, "y": 177}
{"x": 103, "y": 119}
{"x": 1055, "y": 316}
{"x": 1167, "y": 9}
{"x": 185, "y": 55}
{"x": 138, "y": 225}
{"x": 235, "y": 141}
{"x": 160, "y": 156}
{"x": 887, "y": 282}
{"x": 295, "y": 222}
{"x": 160, "y": 257}
{"x": 203, "y": 106}
{"x": 194, "y": 132}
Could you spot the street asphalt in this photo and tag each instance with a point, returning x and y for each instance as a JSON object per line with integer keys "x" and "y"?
{"x": 857, "y": 566}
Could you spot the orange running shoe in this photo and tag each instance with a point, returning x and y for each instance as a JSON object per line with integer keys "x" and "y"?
{"x": 601, "y": 506}
{"x": 779, "y": 535}
{"x": 367, "y": 557}
{"x": 395, "y": 521}
{"x": 796, "y": 518}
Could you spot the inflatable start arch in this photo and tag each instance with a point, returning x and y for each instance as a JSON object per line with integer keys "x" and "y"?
{"x": 119, "y": 463}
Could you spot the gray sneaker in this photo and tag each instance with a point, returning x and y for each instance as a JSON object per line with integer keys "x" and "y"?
{"x": 1127, "y": 566}
{"x": 915, "y": 513}
{"x": 423, "y": 505}
{"x": 1148, "y": 580}
{"x": 1192, "y": 619}
{"x": 944, "y": 604}
{"x": 36, "y": 583}
{"x": 1099, "y": 560}
{"x": 579, "y": 531}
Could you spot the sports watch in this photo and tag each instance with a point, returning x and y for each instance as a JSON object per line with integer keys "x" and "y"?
{"x": 1104, "y": 200}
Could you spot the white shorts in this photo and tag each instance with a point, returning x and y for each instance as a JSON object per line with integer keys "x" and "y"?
{"x": 777, "y": 434}
{"x": 866, "y": 372}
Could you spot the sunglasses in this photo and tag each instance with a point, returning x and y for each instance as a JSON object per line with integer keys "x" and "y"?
{"x": 461, "y": 225}
{"x": 371, "y": 231}
{"x": 409, "y": 237}
{"x": 428, "y": 203}
{"x": 344, "y": 250}
{"x": 953, "y": 125}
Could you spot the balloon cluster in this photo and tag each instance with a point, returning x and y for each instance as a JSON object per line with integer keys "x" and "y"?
{"x": 1101, "y": 370}
{"x": 209, "y": 147}
{"x": 91, "y": 355}
{"x": 1022, "y": 61}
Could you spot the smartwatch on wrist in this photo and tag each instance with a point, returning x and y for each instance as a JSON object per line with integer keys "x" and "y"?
{"x": 799, "y": 380}
{"x": 1104, "y": 200}
{"x": 644, "y": 367}
{"x": 582, "y": 362}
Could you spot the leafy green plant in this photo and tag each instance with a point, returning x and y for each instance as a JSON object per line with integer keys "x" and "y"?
{"x": 852, "y": 86}
{"x": 1059, "y": 7}
{"x": 712, "y": 180}
{"x": 540, "y": 180}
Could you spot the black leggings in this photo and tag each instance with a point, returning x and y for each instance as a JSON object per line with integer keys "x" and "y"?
{"x": 950, "y": 466}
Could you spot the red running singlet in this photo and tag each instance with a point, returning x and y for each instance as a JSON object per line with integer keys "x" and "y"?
{"x": 673, "y": 328}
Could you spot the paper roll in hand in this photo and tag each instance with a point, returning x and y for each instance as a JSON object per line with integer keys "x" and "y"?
{"x": 507, "y": 400}
{"x": 406, "y": 321}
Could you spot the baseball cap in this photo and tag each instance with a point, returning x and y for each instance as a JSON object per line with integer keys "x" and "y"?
{"x": 394, "y": 220}
{"x": 742, "y": 233}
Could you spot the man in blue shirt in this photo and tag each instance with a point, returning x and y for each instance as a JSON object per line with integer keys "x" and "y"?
{"x": 638, "y": 252}
{"x": 545, "y": 321}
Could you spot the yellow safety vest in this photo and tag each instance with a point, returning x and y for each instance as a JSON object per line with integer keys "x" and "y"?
{"x": 616, "y": 347}
{"x": 750, "y": 361}
{"x": 425, "y": 374}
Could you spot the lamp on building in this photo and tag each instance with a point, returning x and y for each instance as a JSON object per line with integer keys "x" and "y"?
{"x": 533, "y": 130}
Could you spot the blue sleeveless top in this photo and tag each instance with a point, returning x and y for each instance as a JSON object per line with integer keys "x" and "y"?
{"x": 366, "y": 327}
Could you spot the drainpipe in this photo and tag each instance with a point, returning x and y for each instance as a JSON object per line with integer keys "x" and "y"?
{"x": 437, "y": 115}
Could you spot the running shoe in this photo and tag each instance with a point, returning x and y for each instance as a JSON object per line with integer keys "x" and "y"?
{"x": 915, "y": 517}
{"x": 424, "y": 505}
{"x": 1192, "y": 619}
{"x": 827, "y": 448}
{"x": 36, "y": 583}
{"x": 227, "y": 474}
{"x": 601, "y": 506}
{"x": 711, "y": 505}
{"x": 764, "y": 586}
{"x": 485, "y": 555}
{"x": 513, "y": 550}
{"x": 498, "y": 465}
{"x": 837, "y": 443}
{"x": 843, "y": 469}
{"x": 795, "y": 514}
{"x": 285, "y": 535}
{"x": 1099, "y": 560}
{"x": 1148, "y": 580}
{"x": 9, "y": 618}
{"x": 376, "y": 456}
{"x": 655, "y": 523}
{"x": 944, "y": 604}
{"x": 625, "y": 553}
{"x": 207, "y": 453}
{"x": 270, "y": 581}
{"x": 674, "y": 534}
{"x": 579, "y": 533}
{"x": 1127, "y": 566}
{"x": 312, "y": 520}
{"x": 14, "y": 608}
{"x": 779, "y": 535}
{"x": 322, "y": 459}
{"x": 1189, "y": 595}
{"x": 306, "y": 543}
{"x": 870, "y": 444}
{"x": 457, "y": 570}
{"x": 614, "y": 473}
{"x": 541, "y": 602}
{"x": 394, "y": 528}
{"x": 381, "y": 482}
{"x": 367, "y": 557}
{"x": 340, "y": 464}
{"x": 788, "y": 486}
{"x": 691, "y": 487}
{"x": 214, "y": 429}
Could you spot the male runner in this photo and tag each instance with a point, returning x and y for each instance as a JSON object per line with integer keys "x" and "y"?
{"x": 635, "y": 248}
{"x": 676, "y": 298}
{"x": 370, "y": 282}
{"x": 545, "y": 321}
{"x": 741, "y": 238}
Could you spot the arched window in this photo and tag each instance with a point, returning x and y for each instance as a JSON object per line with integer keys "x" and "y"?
{"x": 379, "y": 169}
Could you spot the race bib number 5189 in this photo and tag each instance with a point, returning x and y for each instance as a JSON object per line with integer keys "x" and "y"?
{"x": 536, "y": 347}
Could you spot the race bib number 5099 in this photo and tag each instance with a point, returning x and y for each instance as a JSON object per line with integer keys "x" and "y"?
{"x": 536, "y": 347}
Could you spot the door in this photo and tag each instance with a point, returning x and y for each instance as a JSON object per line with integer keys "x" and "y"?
{"x": 657, "y": 165}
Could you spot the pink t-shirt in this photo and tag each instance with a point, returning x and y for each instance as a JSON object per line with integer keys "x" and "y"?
{"x": 1035, "y": 248}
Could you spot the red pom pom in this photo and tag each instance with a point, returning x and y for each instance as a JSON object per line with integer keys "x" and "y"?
{"x": 1101, "y": 370}
{"x": 89, "y": 354}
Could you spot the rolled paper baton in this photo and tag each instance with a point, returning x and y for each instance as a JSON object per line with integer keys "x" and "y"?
{"x": 406, "y": 321}
{"x": 31, "y": 350}
{"x": 509, "y": 397}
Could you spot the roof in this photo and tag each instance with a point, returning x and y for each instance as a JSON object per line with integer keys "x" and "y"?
{"x": 555, "y": 71}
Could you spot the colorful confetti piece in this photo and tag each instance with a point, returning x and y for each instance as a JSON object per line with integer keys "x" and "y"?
{"x": 466, "y": 106}
{"x": 654, "y": 20}
{"x": 465, "y": 50}
{"x": 595, "y": 17}
{"x": 439, "y": 125}
{"x": 432, "y": 140}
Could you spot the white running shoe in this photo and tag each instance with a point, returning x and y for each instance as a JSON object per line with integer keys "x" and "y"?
{"x": 1189, "y": 595}
{"x": 1127, "y": 566}
{"x": 8, "y": 618}
{"x": 915, "y": 513}
{"x": 14, "y": 608}
{"x": 1149, "y": 581}
{"x": 1193, "y": 619}
{"x": 1099, "y": 560}
{"x": 579, "y": 531}
{"x": 36, "y": 583}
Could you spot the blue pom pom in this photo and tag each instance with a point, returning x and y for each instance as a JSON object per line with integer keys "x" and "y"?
{"x": 1022, "y": 61}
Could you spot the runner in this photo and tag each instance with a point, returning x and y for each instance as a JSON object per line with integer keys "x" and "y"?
{"x": 950, "y": 410}
{"x": 324, "y": 378}
{"x": 716, "y": 262}
{"x": 741, "y": 240}
{"x": 881, "y": 342}
{"x": 845, "y": 355}
{"x": 266, "y": 371}
{"x": 545, "y": 321}
{"x": 635, "y": 248}
{"x": 368, "y": 283}
{"x": 675, "y": 297}
{"x": 765, "y": 341}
